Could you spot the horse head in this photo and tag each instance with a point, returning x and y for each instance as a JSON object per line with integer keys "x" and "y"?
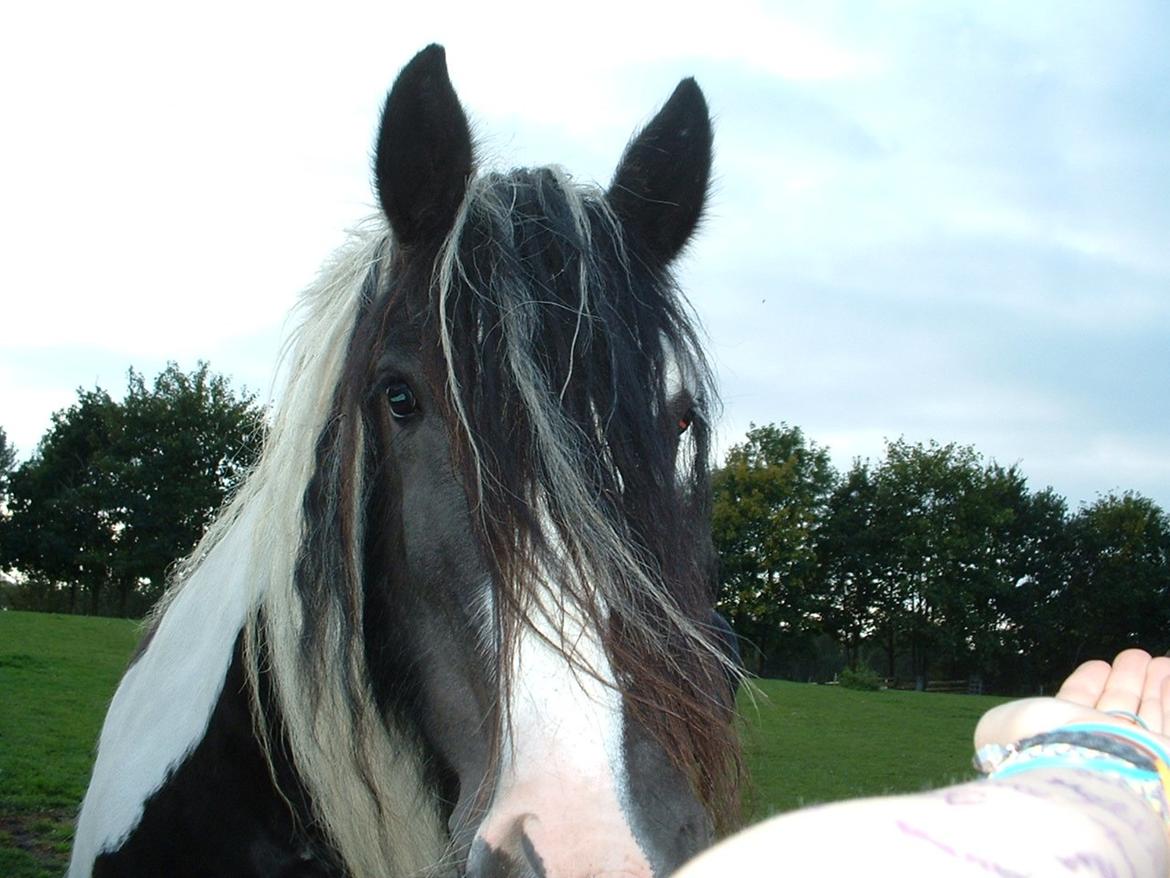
{"x": 538, "y": 570}
{"x": 459, "y": 618}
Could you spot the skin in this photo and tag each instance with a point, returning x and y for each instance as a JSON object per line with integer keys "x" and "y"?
{"x": 1045, "y": 822}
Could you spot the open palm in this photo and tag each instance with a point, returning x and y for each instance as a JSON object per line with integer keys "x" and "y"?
{"x": 1134, "y": 683}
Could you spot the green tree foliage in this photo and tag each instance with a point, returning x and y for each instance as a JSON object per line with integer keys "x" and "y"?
{"x": 770, "y": 500}
{"x": 7, "y": 462}
{"x": 851, "y": 552}
{"x": 1030, "y": 633}
{"x": 941, "y": 513}
{"x": 187, "y": 442}
{"x": 932, "y": 563}
{"x": 1118, "y": 588}
{"x": 61, "y": 529}
{"x": 935, "y": 556}
{"x": 116, "y": 492}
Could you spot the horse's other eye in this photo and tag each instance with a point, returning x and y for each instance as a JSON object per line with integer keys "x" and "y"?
{"x": 401, "y": 400}
{"x": 684, "y": 422}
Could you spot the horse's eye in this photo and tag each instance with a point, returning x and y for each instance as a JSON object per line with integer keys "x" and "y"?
{"x": 684, "y": 423}
{"x": 401, "y": 400}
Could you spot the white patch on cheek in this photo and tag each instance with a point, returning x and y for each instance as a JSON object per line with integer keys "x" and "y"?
{"x": 483, "y": 620}
{"x": 679, "y": 383}
{"x": 675, "y": 383}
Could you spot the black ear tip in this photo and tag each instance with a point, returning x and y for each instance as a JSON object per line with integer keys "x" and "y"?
{"x": 688, "y": 92}
{"x": 423, "y": 156}
{"x": 433, "y": 57}
{"x": 660, "y": 185}
{"x": 429, "y": 65}
{"x": 687, "y": 105}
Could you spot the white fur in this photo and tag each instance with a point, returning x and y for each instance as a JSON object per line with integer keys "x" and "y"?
{"x": 676, "y": 381}
{"x": 162, "y": 706}
{"x": 564, "y": 715}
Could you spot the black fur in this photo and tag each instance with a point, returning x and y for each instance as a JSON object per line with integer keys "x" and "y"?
{"x": 219, "y": 814}
{"x": 606, "y": 372}
{"x": 423, "y": 157}
{"x": 661, "y": 184}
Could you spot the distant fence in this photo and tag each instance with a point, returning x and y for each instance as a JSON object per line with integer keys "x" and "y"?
{"x": 969, "y": 686}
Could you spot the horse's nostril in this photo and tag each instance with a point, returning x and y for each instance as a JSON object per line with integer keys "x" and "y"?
{"x": 489, "y": 862}
{"x": 535, "y": 863}
{"x": 521, "y": 860}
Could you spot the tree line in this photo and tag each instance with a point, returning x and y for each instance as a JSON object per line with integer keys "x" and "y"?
{"x": 929, "y": 563}
{"x": 117, "y": 491}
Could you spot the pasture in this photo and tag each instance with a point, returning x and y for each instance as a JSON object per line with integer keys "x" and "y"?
{"x": 805, "y": 744}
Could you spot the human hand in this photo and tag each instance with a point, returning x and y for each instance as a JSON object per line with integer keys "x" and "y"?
{"x": 1134, "y": 683}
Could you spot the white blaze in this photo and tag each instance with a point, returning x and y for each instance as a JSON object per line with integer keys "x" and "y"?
{"x": 563, "y": 779}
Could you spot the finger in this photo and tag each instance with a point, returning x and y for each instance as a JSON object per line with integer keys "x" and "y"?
{"x": 1152, "y": 704}
{"x": 1164, "y": 691}
{"x": 1123, "y": 689}
{"x": 1085, "y": 685}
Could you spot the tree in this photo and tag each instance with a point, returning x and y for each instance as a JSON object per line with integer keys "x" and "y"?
{"x": 116, "y": 492}
{"x": 1118, "y": 591}
{"x": 919, "y": 554}
{"x": 1028, "y": 646}
{"x": 956, "y": 546}
{"x": 849, "y": 551}
{"x": 7, "y": 462}
{"x": 186, "y": 443}
{"x": 62, "y": 526}
{"x": 769, "y": 501}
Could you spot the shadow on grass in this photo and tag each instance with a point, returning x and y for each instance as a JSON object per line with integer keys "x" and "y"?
{"x": 35, "y": 844}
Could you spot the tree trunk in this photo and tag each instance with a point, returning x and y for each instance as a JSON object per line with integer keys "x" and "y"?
{"x": 125, "y": 585}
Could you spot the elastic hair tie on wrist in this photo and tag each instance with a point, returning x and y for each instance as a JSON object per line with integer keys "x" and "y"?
{"x": 1128, "y": 755}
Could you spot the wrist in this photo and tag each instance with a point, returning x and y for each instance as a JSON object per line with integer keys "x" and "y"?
{"x": 1121, "y": 756}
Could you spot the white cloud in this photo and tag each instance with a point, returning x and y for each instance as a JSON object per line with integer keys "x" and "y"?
{"x": 943, "y": 220}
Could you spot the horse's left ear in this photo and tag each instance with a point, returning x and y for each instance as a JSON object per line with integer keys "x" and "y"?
{"x": 660, "y": 185}
{"x": 424, "y": 150}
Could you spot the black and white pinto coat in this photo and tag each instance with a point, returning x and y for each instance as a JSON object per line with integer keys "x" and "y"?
{"x": 457, "y": 620}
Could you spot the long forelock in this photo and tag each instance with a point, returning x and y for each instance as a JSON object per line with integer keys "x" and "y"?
{"x": 561, "y": 421}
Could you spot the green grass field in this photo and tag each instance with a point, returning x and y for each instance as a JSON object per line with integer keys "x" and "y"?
{"x": 57, "y": 674}
{"x": 805, "y": 743}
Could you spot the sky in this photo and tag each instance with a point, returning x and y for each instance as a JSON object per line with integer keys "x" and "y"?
{"x": 931, "y": 220}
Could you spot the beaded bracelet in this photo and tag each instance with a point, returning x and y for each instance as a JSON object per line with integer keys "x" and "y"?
{"x": 1129, "y": 755}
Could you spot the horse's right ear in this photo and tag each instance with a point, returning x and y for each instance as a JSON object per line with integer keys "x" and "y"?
{"x": 424, "y": 150}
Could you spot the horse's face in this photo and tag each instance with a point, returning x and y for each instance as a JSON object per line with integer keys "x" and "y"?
{"x": 535, "y": 533}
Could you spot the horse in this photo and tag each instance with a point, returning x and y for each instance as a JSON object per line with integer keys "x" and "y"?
{"x": 459, "y": 618}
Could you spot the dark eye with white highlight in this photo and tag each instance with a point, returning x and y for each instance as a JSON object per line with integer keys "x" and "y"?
{"x": 401, "y": 400}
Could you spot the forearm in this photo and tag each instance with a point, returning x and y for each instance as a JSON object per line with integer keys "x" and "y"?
{"x": 1047, "y": 822}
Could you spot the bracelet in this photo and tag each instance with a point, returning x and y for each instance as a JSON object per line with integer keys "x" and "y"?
{"x": 1131, "y": 716}
{"x": 1140, "y": 762}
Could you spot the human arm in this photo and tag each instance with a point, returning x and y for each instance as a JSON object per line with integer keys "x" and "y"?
{"x": 1059, "y": 821}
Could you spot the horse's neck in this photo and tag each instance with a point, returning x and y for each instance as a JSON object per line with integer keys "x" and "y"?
{"x": 161, "y": 709}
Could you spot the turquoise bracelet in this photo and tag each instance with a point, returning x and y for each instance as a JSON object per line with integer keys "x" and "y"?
{"x": 1136, "y": 759}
